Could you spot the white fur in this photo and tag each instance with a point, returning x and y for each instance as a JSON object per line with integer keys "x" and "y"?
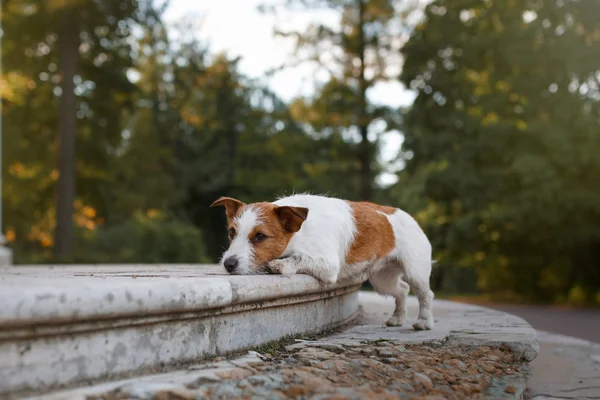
{"x": 241, "y": 247}
{"x": 321, "y": 245}
{"x": 324, "y": 238}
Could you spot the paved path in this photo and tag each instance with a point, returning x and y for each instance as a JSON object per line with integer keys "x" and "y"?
{"x": 568, "y": 365}
{"x": 583, "y": 324}
{"x": 565, "y": 368}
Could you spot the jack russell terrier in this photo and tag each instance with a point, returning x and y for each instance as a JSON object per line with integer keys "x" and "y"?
{"x": 332, "y": 239}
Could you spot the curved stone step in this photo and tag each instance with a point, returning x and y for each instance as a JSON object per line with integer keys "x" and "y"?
{"x": 442, "y": 360}
{"x": 64, "y": 325}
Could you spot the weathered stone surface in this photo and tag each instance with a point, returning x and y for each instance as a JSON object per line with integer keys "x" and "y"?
{"x": 81, "y": 323}
{"x": 456, "y": 324}
{"x": 355, "y": 363}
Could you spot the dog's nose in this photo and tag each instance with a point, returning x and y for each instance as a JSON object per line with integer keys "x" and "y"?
{"x": 230, "y": 263}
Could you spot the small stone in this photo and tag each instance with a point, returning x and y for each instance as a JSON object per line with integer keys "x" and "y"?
{"x": 175, "y": 394}
{"x": 403, "y": 386}
{"x": 433, "y": 374}
{"x": 270, "y": 381}
{"x": 259, "y": 393}
{"x": 385, "y": 352}
{"x": 317, "y": 354}
{"x": 337, "y": 365}
{"x": 345, "y": 394}
{"x": 204, "y": 380}
{"x": 456, "y": 363}
{"x": 335, "y": 348}
{"x": 474, "y": 378}
{"x": 312, "y": 381}
{"x": 489, "y": 368}
{"x": 309, "y": 362}
{"x": 296, "y": 391}
{"x": 234, "y": 373}
{"x": 367, "y": 351}
{"x": 226, "y": 390}
{"x": 255, "y": 363}
{"x": 417, "y": 365}
{"x": 423, "y": 380}
{"x": 510, "y": 389}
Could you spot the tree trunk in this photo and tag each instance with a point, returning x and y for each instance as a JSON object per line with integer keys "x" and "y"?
{"x": 68, "y": 41}
{"x": 366, "y": 178}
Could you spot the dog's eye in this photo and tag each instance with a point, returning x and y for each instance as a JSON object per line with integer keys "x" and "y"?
{"x": 231, "y": 233}
{"x": 259, "y": 237}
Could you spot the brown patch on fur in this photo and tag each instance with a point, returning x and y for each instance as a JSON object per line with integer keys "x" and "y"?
{"x": 384, "y": 209}
{"x": 374, "y": 234}
{"x": 278, "y": 224}
{"x": 233, "y": 207}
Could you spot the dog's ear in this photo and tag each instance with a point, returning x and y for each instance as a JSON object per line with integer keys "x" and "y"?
{"x": 291, "y": 218}
{"x": 231, "y": 206}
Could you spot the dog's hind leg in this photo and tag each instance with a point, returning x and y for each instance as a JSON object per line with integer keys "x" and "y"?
{"x": 388, "y": 281}
{"x": 418, "y": 279}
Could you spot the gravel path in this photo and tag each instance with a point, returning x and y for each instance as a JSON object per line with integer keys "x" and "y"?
{"x": 372, "y": 370}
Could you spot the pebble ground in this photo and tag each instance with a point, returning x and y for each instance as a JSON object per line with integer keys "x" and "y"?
{"x": 371, "y": 370}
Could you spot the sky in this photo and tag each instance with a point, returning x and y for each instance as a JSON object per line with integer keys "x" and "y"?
{"x": 238, "y": 28}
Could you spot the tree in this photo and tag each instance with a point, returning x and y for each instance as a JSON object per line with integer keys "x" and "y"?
{"x": 62, "y": 54}
{"x": 357, "y": 53}
{"x": 68, "y": 44}
{"x": 501, "y": 140}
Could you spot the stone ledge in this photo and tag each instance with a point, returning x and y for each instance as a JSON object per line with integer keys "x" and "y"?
{"x": 66, "y": 324}
{"x": 459, "y": 328}
{"x": 456, "y": 324}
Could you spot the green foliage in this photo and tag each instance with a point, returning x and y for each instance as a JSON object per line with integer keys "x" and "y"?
{"x": 355, "y": 55}
{"x": 143, "y": 239}
{"x": 501, "y": 143}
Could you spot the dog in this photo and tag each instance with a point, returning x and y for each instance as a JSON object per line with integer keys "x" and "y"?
{"x": 332, "y": 239}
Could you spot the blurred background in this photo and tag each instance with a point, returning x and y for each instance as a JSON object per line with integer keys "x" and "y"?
{"x": 122, "y": 120}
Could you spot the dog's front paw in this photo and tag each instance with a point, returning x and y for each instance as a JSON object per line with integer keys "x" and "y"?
{"x": 281, "y": 267}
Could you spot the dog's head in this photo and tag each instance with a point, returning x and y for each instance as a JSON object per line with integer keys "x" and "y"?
{"x": 258, "y": 233}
